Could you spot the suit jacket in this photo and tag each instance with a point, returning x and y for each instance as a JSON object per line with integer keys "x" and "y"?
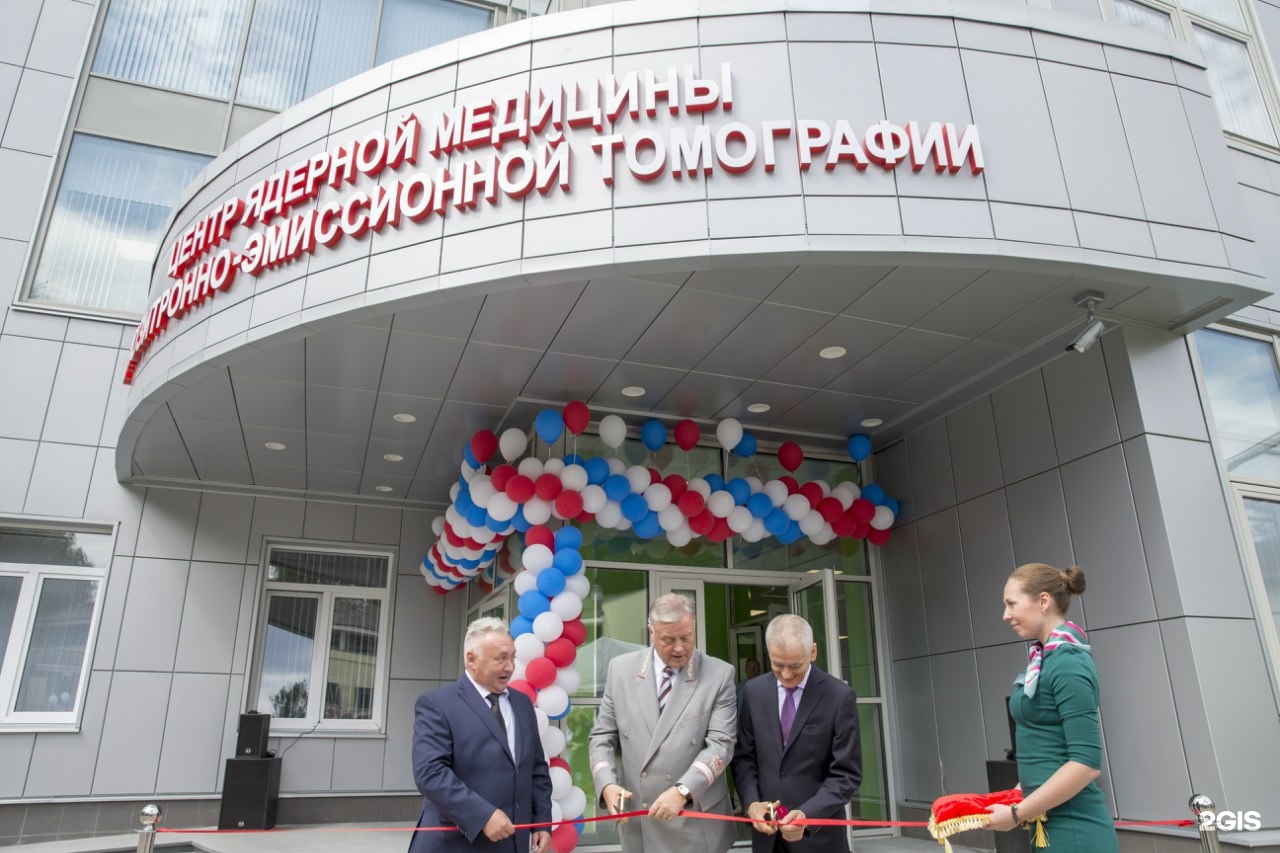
{"x": 647, "y": 753}
{"x": 817, "y": 772}
{"x": 464, "y": 770}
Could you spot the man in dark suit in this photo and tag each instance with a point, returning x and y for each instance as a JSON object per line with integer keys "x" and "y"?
{"x": 477, "y": 755}
{"x": 798, "y": 749}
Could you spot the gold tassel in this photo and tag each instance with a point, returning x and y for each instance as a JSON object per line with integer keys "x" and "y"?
{"x": 946, "y": 845}
{"x": 1041, "y": 838}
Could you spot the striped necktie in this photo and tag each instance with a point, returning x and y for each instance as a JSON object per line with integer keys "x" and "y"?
{"x": 664, "y": 691}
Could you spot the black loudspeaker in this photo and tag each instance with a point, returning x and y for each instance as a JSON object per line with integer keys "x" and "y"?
{"x": 251, "y": 737}
{"x": 1001, "y": 776}
{"x": 250, "y": 793}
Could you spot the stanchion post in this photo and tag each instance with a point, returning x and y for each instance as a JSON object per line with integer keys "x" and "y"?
{"x": 150, "y": 816}
{"x": 1200, "y": 804}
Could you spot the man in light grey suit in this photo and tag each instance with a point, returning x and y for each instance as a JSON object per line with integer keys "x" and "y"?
{"x": 664, "y": 735}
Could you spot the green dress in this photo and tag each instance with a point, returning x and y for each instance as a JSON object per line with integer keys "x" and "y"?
{"x": 1057, "y": 725}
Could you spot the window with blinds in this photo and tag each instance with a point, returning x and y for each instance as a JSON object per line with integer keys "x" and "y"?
{"x": 50, "y": 599}
{"x": 322, "y": 648}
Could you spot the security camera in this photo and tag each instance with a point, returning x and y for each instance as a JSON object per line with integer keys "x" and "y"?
{"x": 1093, "y": 327}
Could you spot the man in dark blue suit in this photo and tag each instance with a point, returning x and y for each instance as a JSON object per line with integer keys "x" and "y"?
{"x": 477, "y": 755}
{"x": 798, "y": 749}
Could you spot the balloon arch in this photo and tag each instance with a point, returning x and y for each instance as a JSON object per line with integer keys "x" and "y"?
{"x": 523, "y": 494}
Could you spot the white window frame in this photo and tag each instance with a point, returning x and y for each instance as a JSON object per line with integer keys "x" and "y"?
{"x": 1260, "y": 59}
{"x": 376, "y": 724}
{"x": 18, "y": 643}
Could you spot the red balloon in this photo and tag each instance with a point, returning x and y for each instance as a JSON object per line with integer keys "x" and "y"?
{"x": 519, "y": 488}
{"x": 576, "y": 416}
{"x": 830, "y": 509}
{"x": 862, "y": 511}
{"x": 844, "y": 525}
{"x": 720, "y": 530}
{"x": 790, "y": 482}
{"x": 584, "y": 517}
{"x": 861, "y": 531}
{"x": 702, "y": 522}
{"x": 452, "y": 536}
{"x": 540, "y": 673}
{"x": 441, "y": 591}
{"x": 878, "y": 537}
{"x": 691, "y": 503}
{"x": 564, "y": 838}
{"x": 547, "y": 486}
{"x": 574, "y": 631}
{"x": 486, "y": 585}
{"x": 676, "y": 484}
{"x": 687, "y": 434}
{"x": 561, "y": 651}
{"x": 568, "y": 503}
{"x": 483, "y": 444}
{"x": 813, "y": 492}
{"x": 558, "y": 762}
{"x": 501, "y": 476}
{"x": 540, "y": 534}
{"x": 655, "y": 476}
{"x": 790, "y": 455}
{"x": 524, "y": 687}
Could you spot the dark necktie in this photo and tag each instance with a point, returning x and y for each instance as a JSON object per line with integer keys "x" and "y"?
{"x": 497, "y": 711}
{"x": 664, "y": 691}
{"x": 788, "y": 713}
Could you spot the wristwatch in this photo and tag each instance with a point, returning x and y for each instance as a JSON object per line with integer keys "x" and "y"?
{"x": 684, "y": 791}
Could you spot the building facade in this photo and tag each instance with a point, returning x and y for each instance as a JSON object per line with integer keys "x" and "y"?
{"x": 269, "y": 264}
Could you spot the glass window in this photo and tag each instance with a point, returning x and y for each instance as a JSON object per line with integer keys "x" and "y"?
{"x": 50, "y": 584}
{"x": 185, "y": 45}
{"x": 1264, "y": 528}
{"x": 1236, "y": 91}
{"x": 325, "y": 624}
{"x": 299, "y": 47}
{"x": 1244, "y": 395}
{"x": 1135, "y": 14}
{"x": 1223, "y": 11}
{"x": 113, "y": 203}
{"x": 614, "y": 615}
{"x": 412, "y": 25}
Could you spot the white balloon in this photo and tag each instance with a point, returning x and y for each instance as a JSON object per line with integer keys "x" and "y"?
{"x": 512, "y": 443}
{"x": 574, "y": 803}
{"x": 561, "y": 782}
{"x": 756, "y": 531}
{"x": 537, "y": 557}
{"x": 529, "y": 647}
{"x": 574, "y": 477}
{"x": 624, "y": 523}
{"x": 481, "y": 534}
{"x": 502, "y": 508}
{"x": 657, "y": 496}
{"x": 579, "y": 584}
{"x": 616, "y": 465}
{"x": 729, "y": 433}
{"x": 680, "y": 537}
{"x": 553, "y": 742}
{"x": 518, "y": 672}
{"x": 593, "y": 499}
{"x": 547, "y": 626}
{"x": 755, "y": 483}
{"x": 777, "y": 492}
{"x": 569, "y": 678}
{"x": 740, "y": 519}
{"x": 609, "y": 515}
{"x": 482, "y": 490}
{"x": 537, "y": 511}
{"x": 670, "y": 518}
{"x": 567, "y": 605}
{"x": 846, "y": 493}
{"x": 796, "y": 506}
{"x": 530, "y": 466}
{"x": 553, "y": 466}
{"x": 613, "y": 431}
{"x": 557, "y": 813}
{"x": 437, "y": 524}
{"x": 701, "y": 486}
{"x": 467, "y": 471}
{"x": 639, "y": 478}
{"x": 883, "y": 519}
{"x": 720, "y": 503}
{"x": 826, "y": 489}
{"x": 453, "y": 491}
{"x": 524, "y": 582}
{"x": 553, "y": 700}
{"x": 811, "y": 523}
{"x": 543, "y": 722}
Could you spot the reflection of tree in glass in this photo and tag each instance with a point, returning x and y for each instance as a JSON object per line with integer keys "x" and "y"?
{"x": 290, "y": 702}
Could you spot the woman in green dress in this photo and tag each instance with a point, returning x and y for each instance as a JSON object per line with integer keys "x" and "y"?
{"x": 1055, "y": 707}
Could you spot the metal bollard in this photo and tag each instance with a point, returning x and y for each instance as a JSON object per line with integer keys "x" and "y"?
{"x": 1200, "y": 804}
{"x": 149, "y": 816}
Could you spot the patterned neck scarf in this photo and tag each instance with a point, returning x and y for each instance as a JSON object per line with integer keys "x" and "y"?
{"x": 1066, "y": 634}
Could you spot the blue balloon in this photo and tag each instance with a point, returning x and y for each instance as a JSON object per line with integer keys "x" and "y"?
{"x": 562, "y": 714}
{"x": 518, "y": 521}
{"x": 634, "y": 508}
{"x": 533, "y": 603}
{"x": 495, "y": 525}
{"x": 597, "y": 470}
{"x": 791, "y": 534}
{"x": 568, "y": 538}
{"x": 470, "y": 457}
{"x": 740, "y": 489}
{"x": 464, "y": 563}
{"x": 647, "y": 527}
{"x": 549, "y": 424}
{"x": 760, "y": 505}
{"x": 891, "y": 504}
{"x": 653, "y": 434}
{"x": 580, "y": 824}
{"x": 550, "y": 583}
{"x": 521, "y": 625}
{"x": 568, "y": 561}
{"x": 476, "y": 516}
{"x": 715, "y": 481}
{"x": 616, "y": 487}
{"x": 859, "y": 447}
{"x": 746, "y": 448}
{"x": 574, "y": 459}
{"x": 463, "y": 501}
{"x": 873, "y": 493}
{"x": 776, "y": 522}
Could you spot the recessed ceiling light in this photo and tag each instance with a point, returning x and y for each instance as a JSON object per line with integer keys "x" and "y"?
{"x": 633, "y": 391}
{"x": 393, "y": 457}
{"x": 383, "y": 489}
{"x": 404, "y": 418}
{"x": 832, "y": 352}
{"x": 759, "y": 408}
{"x": 274, "y": 445}
{"x": 872, "y": 423}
